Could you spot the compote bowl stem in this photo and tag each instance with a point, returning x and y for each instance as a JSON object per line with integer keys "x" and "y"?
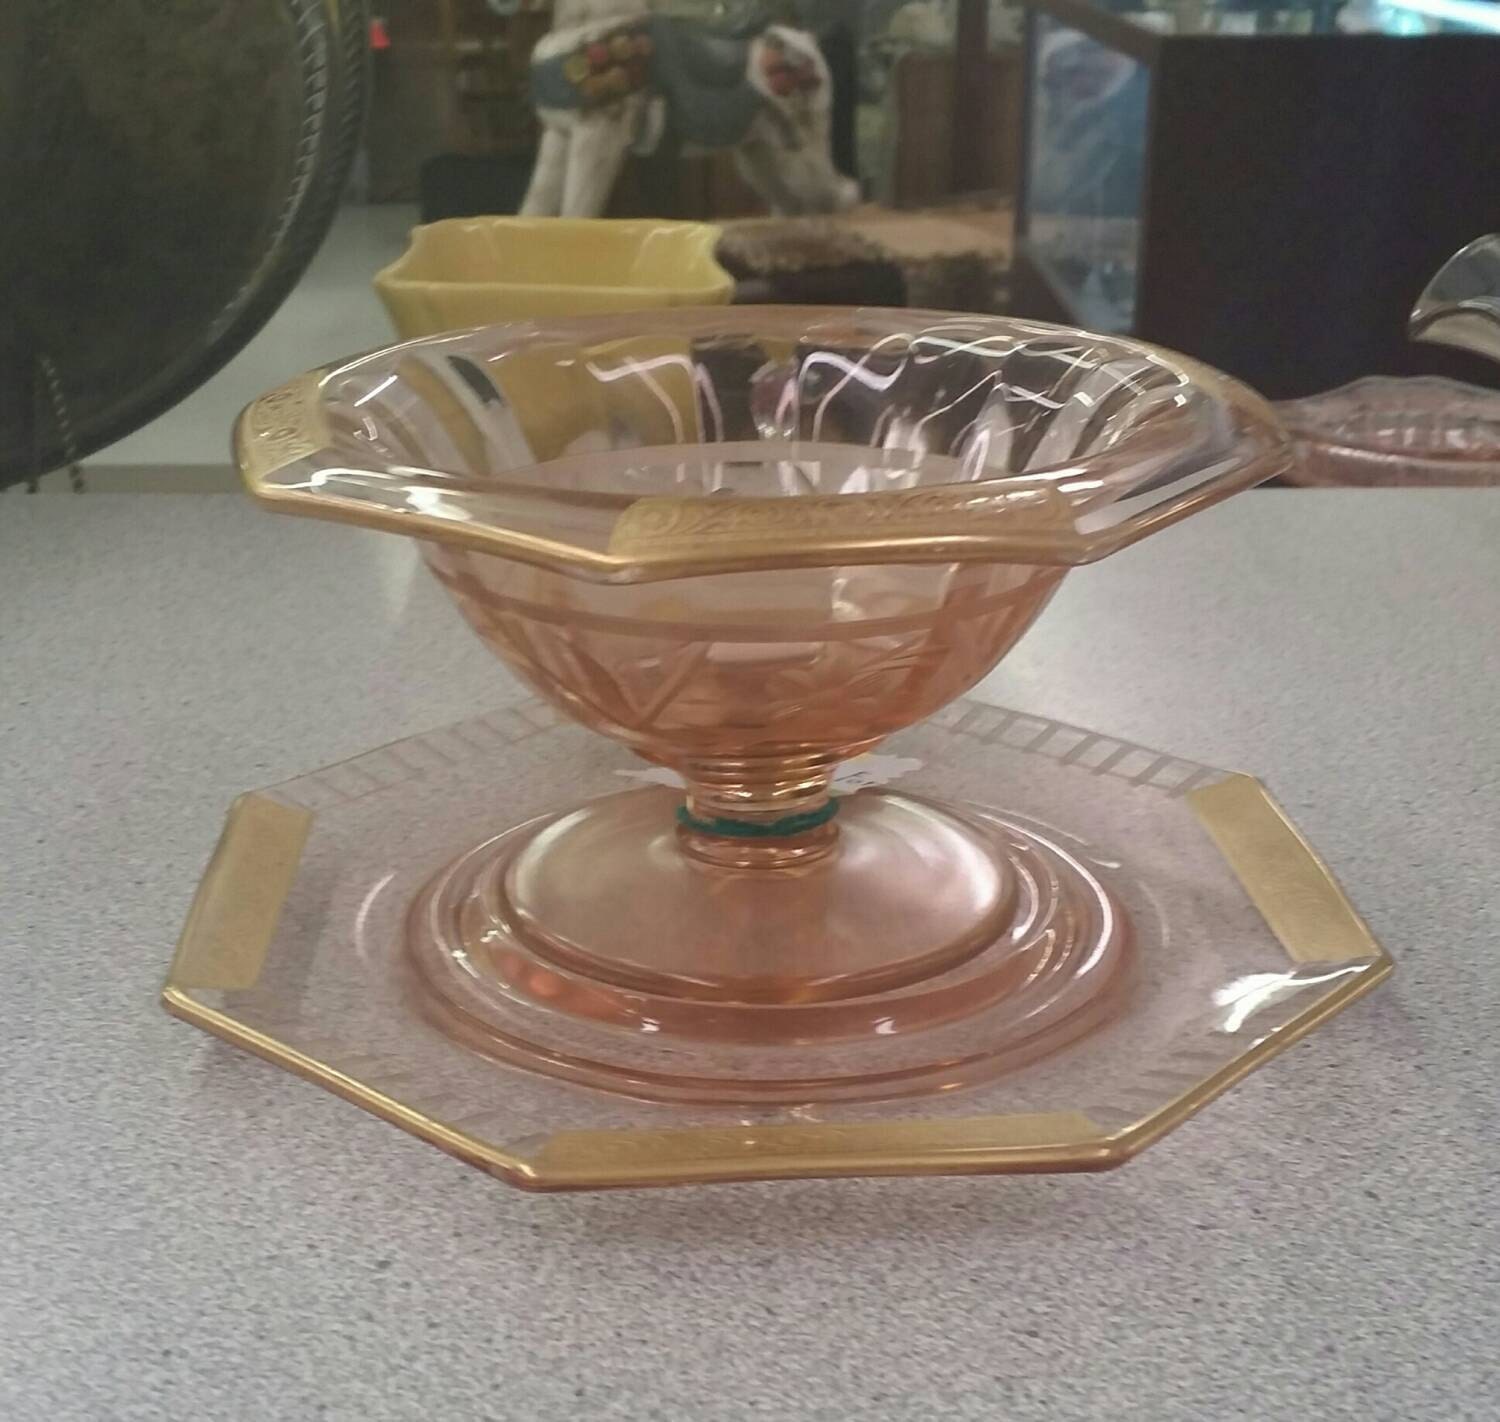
{"x": 761, "y": 811}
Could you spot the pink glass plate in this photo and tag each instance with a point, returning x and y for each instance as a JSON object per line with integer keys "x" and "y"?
{"x": 298, "y": 947}
{"x": 1396, "y": 430}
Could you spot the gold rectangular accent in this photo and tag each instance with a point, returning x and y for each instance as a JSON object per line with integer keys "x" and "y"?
{"x": 662, "y": 527}
{"x": 235, "y": 911}
{"x": 1293, "y": 889}
{"x": 1042, "y": 1141}
{"x": 284, "y": 425}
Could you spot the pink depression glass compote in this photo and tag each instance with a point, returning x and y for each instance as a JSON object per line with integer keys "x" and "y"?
{"x": 749, "y": 544}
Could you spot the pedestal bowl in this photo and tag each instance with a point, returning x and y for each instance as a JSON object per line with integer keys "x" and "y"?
{"x": 750, "y": 544}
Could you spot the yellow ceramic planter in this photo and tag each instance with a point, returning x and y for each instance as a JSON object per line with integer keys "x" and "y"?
{"x": 475, "y": 271}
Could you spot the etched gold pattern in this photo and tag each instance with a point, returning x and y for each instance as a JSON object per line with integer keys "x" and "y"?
{"x": 284, "y": 425}
{"x": 749, "y": 527}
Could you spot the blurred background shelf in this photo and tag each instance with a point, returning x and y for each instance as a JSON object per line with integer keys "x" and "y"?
{"x": 1264, "y": 187}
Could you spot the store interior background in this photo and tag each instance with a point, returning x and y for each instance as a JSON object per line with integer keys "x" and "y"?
{"x": 930, "y": 100}
{"x": 449, "y": 97}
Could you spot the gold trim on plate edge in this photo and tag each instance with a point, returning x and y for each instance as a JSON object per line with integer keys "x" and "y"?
{"x": 233, "y": 921}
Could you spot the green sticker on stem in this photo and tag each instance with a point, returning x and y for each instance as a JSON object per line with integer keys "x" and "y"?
{"x": 783, "y": 828}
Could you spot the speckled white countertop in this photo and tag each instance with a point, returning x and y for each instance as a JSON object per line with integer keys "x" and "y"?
{"x": 186, "y": 1232}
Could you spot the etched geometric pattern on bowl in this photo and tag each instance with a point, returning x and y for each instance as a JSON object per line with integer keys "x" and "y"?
{"x": 683, "y": 672}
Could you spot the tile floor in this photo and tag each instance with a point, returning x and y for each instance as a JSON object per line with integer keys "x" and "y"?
{"x": 333, "y": 312}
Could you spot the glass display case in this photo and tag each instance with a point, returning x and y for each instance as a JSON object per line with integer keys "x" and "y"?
{"x": 1086, "y": 115}
{"x": 1264, "y": 186}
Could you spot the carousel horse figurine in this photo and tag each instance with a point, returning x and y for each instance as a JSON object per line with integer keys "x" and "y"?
{"x": 611, "y": 78}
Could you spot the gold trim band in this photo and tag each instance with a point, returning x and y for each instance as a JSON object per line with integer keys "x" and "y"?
{"x": 238, "y": 905}
{"x": 1293, "y": 889}
{"x": 282, "y": 426}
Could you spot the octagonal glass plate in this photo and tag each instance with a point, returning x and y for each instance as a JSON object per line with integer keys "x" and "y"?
{"x": 1243, "y": 942}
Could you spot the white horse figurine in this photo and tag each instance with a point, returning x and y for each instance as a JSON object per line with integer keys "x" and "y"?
{"x": 611, "y": 77}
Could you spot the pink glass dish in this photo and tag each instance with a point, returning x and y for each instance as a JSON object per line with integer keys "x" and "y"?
{"x": 750, "y": 545}
{"x": 1396, "y": 430}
